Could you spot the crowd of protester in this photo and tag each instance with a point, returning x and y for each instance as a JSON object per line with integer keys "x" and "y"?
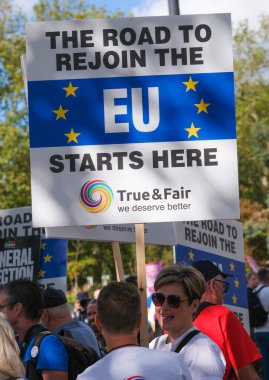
{"x": 197, "y": 337}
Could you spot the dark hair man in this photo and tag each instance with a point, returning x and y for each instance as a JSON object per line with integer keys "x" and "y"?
{"x": 22, "y": 302}
{"x": 118, "y": 317}
{"x": 56, "y": 316}
{"x": 262, "y": 333}
{"x": 222, "y": 326}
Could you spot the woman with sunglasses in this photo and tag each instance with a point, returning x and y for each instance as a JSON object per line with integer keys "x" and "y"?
{"x": 177, "y": 296}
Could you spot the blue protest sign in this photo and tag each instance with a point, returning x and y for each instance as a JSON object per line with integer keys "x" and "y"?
{"x": 221, "y": 242}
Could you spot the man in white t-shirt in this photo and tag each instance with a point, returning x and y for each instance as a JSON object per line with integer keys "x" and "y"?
{"x": 262, "y": 333}
{"x": 119, "y": 317}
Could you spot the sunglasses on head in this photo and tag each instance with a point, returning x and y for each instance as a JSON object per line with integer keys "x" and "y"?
{"x": 173, "y": 301}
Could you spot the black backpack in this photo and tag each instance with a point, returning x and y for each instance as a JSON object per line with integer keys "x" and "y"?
{"x": 257, "y": 315}
{"x": 80, "y": 357}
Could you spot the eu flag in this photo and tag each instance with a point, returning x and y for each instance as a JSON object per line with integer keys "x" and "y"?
{"x": 191, "y": 107}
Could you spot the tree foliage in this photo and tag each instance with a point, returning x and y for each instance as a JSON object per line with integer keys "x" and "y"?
{"x": 251, "y": 52}
{"x": 52, "y": 10}
{"x": 14, "y": 146}
{"x": 256, "y": 230}
{"x": 94, "y": 258}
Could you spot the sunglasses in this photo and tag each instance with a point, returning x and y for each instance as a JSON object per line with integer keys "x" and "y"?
{"x": 225, "y": 285}
{"x": 173, "y": 301}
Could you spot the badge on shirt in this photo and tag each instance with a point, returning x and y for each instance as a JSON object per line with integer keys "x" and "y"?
{"x": 34, "y": 352}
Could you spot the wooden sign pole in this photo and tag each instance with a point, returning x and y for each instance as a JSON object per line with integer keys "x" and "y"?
{"x": 118, "y": 260}
{"x": 141, "y": 282}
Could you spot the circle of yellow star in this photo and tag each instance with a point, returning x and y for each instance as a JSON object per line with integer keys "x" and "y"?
{"x": 236, "y": 283}
{"x": 202, "y": 106}
{"x": 60, "y": 113}
{"x": 47, "y": 258}
{"x": 192, "y": 131}
{"x": 43, "y": 245}
{"x": 234, "y": 298}
{"x": 190, "y": 85}
{"x": 232, "y": 266}
{"x": 70, "y": 90}
{"x": 41, "y": 273}
{"x": 72, "y": 136}
{"x": 191, "y": 255}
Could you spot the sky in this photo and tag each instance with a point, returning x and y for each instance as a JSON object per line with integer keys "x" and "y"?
{"x": 241, "y": 10}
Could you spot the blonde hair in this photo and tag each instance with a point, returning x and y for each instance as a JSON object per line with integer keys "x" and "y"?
{"x": 10, "y": 363}
{"x": 191, "y": 279}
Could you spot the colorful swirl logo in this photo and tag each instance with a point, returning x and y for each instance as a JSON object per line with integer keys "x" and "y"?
{"x": 137, "y": 377}
{"x": 92, "y": 203}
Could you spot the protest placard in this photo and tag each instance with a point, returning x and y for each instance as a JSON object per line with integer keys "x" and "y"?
{"x": 220, "y": 241}
{"x": 19, "y": 258}
{"x": 155, "y": 233}
{"x": 132, "y": 120}
{"x": 25, "y": 251}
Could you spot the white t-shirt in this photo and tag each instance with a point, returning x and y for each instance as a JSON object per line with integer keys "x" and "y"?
{"x": 201, "y": 355}
{"x": 137, "y": 363}
{"x": 264, "y": 298}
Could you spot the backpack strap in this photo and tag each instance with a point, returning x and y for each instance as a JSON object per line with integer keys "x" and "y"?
{"x": 65, "y": 333}
{"x": 36, "y": 344}
{"x": 35, "y": 350}
{"x": 30, "y": 366}
{"x": 33, "y": 331}
{"x": 201, "y": 307}
{"x": 186, "y": 340}
{"x": 258, "y": 291}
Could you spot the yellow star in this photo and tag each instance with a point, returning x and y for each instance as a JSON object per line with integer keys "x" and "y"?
{"x": 202, "y": 106}
{"x": 232, "y": 266}
{"x": 234, "y": 298}
{"x": 60, "y": 113}
{"x": 236, "y": 283}
{"x": 192, "y": 131}
{"x": 72, "y": 136}
{"x": 47, "y": 258}
{"x": 41, "y": 273}
{"x": 43, "y": 245}
{"x": 70, "y": 90}
{"x": 191, "y": 255}
{"x": 190, "y": 85}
